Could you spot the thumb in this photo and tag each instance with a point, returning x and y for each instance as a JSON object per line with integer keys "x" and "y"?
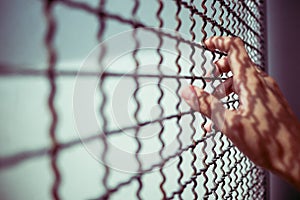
{"x": 199, "y": 100}
{"x": 207, "y": 104}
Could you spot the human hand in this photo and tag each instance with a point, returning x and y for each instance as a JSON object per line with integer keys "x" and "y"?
{"x": 263, "y": 127}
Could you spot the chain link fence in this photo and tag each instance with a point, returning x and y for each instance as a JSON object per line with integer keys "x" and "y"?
{"x": 149, "y": 143}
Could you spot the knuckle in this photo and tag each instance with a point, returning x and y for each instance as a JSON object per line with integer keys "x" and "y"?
{"x": 238, "y": 41}
{"x": 214, "y": 37}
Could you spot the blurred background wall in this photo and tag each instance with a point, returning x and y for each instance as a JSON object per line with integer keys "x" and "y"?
{"x": 283, "y": 24}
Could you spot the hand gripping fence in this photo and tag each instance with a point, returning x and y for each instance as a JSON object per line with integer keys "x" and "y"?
{"x": 202, "y": 165}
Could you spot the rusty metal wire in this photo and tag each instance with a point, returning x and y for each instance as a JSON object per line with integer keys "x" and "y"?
{"x": 217, "y": 169}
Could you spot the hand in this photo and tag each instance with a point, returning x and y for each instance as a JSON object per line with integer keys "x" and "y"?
{"x": 263, "y": 127}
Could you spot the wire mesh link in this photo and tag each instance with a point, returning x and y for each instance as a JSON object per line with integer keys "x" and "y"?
{"x": 52, "y": 59}
{"x": 193, "y": 65}
{"x": 134, "y": 56}
{"x": 206, "y": 164}
{"x": 104, "y": 156}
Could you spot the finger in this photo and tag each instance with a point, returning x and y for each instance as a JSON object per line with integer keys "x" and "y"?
{"x": 207, "y": 104}
{"x": 224, "y": 89}
{"x": 225, "y": 44}
{"x": 211, "y": 107}
{"x": 205, "y": 101}
{"x": 208, "y": 127}
{"x": 198, "y": 99}
{"x": 222, "y": 66}
{"x": 190, "y": 96}
{"x": 238, "y": 58}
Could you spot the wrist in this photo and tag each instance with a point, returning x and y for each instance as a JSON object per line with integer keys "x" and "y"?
{"x": 287, "y": 163}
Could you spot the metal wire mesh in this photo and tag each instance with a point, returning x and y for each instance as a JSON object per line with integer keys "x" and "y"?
{"x": 205, "y": 166}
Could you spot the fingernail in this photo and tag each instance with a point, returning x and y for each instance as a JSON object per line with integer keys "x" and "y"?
{"x": 208, "y": 127}
{"x": 189, "y": 95}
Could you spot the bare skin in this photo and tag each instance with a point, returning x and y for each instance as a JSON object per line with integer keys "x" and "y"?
{"x": 264, "y": 127}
